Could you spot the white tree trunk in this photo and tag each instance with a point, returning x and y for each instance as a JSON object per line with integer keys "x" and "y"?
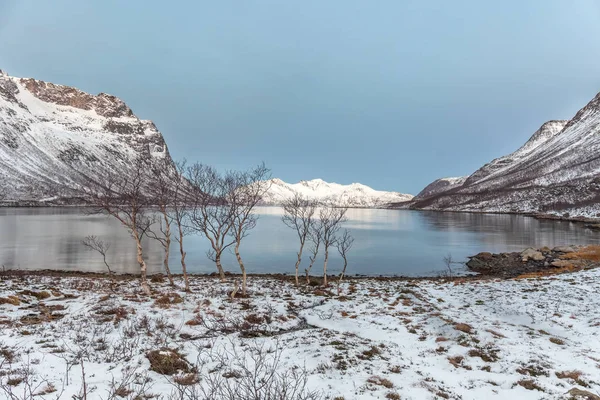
{"x": 242, "y": 268}
{"x": 140, "y": 260}
{"x": 325, "y": 266}
{"x": 298, "y": 263}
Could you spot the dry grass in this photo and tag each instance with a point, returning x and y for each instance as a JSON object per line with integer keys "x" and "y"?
{"x": 590, "y": 253}
{"x": 456, "y": 361}
{"x": 168, "y": 362}
{"x": 167, "y": 300}
{"x": 487, "y": 355}
{"x": 379, "y": 381}
{"x": 187, "y": 379}
{"x": 13, "y": 300}
{"x": 532, "y": 370}
{"x": 466, "y": 328}
{"x": 530, "y": 384}
{"x": 550, "y": 271}
{"x": 42, "y": 295}
{"x": 575, "y": 375}
{"x": 496, "y": 334}
{"x": 558, "y": 341}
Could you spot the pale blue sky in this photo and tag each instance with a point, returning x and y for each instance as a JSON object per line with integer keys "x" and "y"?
{"x": 389, "y": 93}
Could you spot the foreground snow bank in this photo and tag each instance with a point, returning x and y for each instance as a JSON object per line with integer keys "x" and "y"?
{"x": 381, "y": 339}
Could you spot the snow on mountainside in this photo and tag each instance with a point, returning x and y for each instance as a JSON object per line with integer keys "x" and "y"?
{"x": 53, "y": 137}
{"x": 557, "y": 172}
{"x": 441, "y": 185}
{"x": 353, "y": 195}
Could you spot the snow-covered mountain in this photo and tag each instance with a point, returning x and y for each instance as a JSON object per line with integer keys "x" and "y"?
{"x": 440, "y": 185}
{"x": 557, "y": 172}
{"x": 353, "y": 195}
{"x": 52, "y": 137}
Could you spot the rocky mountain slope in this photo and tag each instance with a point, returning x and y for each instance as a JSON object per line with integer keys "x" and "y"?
{"x": 556, "y": 172}
{"x": 439, "y": 186}
{"x": 353, "y": 195}
{"x": 54, "y": 137}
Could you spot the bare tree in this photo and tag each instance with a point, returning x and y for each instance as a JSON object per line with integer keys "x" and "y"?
{"x": 344, "y": 244}
{"x": 248, "y": 189}
{"x": 94, "y": 243}
{"x": 210, "y": 214}
{"x": 161, "y": 187}
{"x": 180, "y": 213}
{"x": 124, "y": 197}
{"x": 298, "y": 214}
{"x": 330, "y": 220}
{"x": 316, "y": 237}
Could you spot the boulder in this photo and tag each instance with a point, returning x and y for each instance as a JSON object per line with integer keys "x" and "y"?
{"x": 563, "y": 249}
{"x": 532, "y": 254}
{"x": 562, "y": 263}
{"x": 484, "y": 256}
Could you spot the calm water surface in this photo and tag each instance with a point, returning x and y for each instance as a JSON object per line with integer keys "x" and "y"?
{"x": 387, "y": 242}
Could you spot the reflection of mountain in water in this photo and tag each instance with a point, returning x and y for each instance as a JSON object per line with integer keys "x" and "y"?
{"x": 41, "y": 238}
{"x": 506, "y": 229}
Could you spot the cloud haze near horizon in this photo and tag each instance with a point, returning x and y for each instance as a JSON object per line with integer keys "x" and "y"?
{"x": 392, "y": 94}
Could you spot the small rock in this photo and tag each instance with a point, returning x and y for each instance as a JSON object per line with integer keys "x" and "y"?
{"x": 545, "y": 249}
{"x": 579, "y": 394}
{"x": 564, "y": 249}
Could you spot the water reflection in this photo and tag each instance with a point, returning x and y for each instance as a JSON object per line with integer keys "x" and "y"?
{"x": 388, "y": 242}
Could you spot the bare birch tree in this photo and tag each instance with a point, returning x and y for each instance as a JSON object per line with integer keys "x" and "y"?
{"x": 161, "y": 187}
{"x": 248, "y": 189}
{"x": 330, "y": 220}
{"x": 124, "y": 197}
{"x": 179, "y": 214}
{"x": 298, "y": 214}
{"x": 210, "y": 215}
{"x": 316, "y": 237}
{"x": 344, "y": 244}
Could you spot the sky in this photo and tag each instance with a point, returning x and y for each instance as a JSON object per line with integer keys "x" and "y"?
{"x": 389, "y": 93}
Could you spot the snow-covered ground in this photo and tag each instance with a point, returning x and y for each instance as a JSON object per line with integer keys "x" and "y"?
{"x": 380, "y": 339}
{"x": 353, "y": 195}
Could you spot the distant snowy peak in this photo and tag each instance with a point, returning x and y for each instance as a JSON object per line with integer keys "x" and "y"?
{"x": 353, "y": 195}
{"x": 54, "y": 137}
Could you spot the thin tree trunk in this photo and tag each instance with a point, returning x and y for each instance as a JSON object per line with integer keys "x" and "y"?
{"x": 312, "y": 261}
{"x": 167, "y": 248}
{"x": 298, "y": 262}
{"x": 342, "y": 275}
{"x": 219, "y": 266}
{"x": 325, "y": 266}
{"x": 242, "y": 267}
{"x": 140, "y": 260}
{"x": 183, "y": 266}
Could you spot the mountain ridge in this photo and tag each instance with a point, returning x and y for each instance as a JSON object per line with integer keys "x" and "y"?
{"x": 352, "y": 195}
{"x": 557, "y": 171}
{"x": 55, "y": 137}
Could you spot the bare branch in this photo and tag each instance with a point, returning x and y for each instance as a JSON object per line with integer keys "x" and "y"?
{"x": 298, "y": 214}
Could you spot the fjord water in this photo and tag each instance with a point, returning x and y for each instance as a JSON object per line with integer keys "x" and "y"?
{"x": 387, "y": 242}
